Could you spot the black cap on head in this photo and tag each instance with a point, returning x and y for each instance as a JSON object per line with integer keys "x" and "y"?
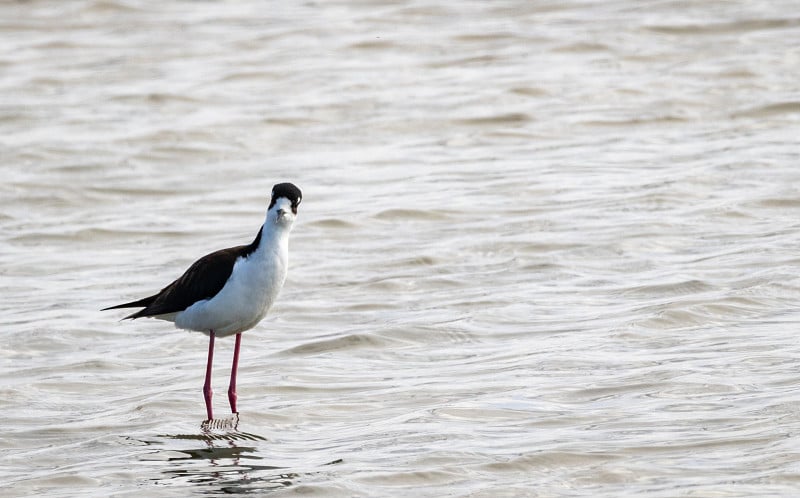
{"x": 289, "y": 191}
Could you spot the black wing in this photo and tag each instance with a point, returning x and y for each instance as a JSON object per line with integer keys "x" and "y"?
{"x": 203, "y": 280}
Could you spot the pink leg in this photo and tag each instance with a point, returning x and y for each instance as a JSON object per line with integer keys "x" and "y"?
{"x": 234, "y": 368}
{"x": 207, "y": 392}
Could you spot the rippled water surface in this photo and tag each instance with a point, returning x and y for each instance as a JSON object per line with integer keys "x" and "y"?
{"x": 545, "y": 249}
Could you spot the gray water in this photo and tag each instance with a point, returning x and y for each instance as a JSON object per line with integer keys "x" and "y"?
{"x": 545, "y": 248}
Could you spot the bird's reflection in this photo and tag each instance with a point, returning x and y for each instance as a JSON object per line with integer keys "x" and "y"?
{"x": 227, "y": 461}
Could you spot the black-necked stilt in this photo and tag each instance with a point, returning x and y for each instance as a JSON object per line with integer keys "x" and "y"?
{"x": 230, "y": 290}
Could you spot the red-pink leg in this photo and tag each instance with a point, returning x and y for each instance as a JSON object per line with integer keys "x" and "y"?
{"x": 207, "y": 392}
{"x": 234, "y": 368}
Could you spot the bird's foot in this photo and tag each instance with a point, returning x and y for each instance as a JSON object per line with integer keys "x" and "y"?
{"x": 221, "y": 424}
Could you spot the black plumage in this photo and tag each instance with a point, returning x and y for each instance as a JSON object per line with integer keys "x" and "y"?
{"x": 203, "y": 280}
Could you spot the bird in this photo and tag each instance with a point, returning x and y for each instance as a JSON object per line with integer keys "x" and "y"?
{"x": 231, "y": 290}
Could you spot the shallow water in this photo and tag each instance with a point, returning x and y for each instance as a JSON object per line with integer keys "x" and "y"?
{"x": 545, "y": 249}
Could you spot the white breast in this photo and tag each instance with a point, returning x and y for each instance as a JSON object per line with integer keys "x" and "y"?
{"x": 253, "y": 286}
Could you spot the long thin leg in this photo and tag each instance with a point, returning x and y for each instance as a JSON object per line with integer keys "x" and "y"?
{"x": 234, "y": 368}
{"x": 207, "y": 392}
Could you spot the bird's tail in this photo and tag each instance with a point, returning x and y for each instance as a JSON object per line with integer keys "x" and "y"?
{"x": 141, "y": 303}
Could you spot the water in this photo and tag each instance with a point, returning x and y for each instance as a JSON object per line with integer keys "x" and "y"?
{"x": 545, "y": 249}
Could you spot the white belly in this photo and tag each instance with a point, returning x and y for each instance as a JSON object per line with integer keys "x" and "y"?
{"x": 244, "y": 300}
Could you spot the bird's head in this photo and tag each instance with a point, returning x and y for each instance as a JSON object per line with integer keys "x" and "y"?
{"x": 283, "y": 204}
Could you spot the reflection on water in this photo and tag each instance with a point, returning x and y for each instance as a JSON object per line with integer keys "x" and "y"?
{"x": 222, "y": 462}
